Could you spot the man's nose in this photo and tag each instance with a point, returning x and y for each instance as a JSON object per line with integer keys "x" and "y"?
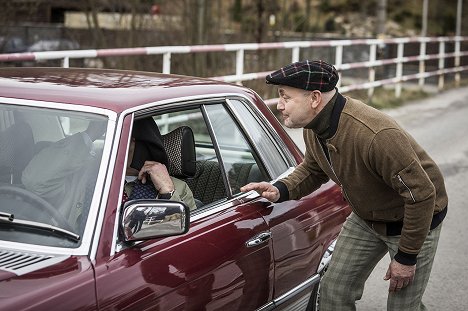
{"x": 280, "y": 104}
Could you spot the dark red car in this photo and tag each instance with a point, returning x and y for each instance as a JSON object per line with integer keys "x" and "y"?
{"x": 68, "y": 243}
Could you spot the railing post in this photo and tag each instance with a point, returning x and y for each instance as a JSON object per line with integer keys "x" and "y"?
{"x": 295, "y": 54}
{"x": 457, "y": 60}
{"x": 399, "y": 68}
{"x": 166, "y": 63}
{"x": 422, "y": 63}
{"x": 372, "y": 58}
{"x": 239, "y": 65}
{"x": 66, "y": 62}
{"x": 441, "y": 64}
{"x": 339, "y": 61}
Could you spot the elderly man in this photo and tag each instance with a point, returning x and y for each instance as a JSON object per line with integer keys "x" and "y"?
{"x": 147, "y": 168}
{"x": 395, "y": 190}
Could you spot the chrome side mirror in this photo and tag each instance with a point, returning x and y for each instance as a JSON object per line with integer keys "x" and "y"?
{"x": 150, "y": 219}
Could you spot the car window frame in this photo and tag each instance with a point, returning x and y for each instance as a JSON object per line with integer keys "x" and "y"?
{"x": 191, "y": 102}
{"x": 234, "y": 113}
{"x": 225, "y": 100}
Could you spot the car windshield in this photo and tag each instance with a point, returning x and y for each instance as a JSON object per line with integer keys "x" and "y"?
{"x": 49, "y": 163}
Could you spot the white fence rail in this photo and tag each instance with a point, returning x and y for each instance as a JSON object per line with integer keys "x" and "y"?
{"x": 296, "y": 47}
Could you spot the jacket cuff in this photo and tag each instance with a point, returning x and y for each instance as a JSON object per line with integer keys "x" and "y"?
{"x": 405, "y": 258}
{"x": 283, "y": 190}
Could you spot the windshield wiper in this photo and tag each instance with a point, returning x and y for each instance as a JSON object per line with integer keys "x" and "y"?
{"x": 10, "y": 218}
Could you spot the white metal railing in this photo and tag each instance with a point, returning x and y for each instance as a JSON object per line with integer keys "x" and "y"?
{"x": 240, "y": 75}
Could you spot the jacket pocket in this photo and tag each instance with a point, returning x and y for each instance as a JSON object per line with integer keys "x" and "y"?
{"x": 413, "y": 183}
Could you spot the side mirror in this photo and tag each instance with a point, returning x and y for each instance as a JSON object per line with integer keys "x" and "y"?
{"x": 150, "y": 219}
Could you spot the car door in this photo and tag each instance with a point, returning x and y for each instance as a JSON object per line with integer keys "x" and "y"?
{"x": 225, "y": 261}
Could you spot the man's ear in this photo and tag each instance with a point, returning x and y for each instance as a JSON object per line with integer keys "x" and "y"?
{"x": 315, "y": 99}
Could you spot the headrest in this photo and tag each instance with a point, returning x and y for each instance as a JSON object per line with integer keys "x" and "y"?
{"x": 16, "y": 150}
{"x": 16, "y": 146}
{"x": 180, "y": 149}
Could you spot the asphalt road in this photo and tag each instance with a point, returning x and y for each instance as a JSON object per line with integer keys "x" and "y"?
{"x": 440, "y": 124}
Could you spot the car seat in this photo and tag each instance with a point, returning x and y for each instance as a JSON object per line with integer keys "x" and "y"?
{"x": 16, "y": 151}
{"x": 180, "y": 149}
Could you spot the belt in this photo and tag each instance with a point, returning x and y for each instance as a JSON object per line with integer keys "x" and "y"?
{"x": 395, "y": 227}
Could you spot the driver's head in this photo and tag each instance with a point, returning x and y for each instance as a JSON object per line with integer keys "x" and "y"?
{"x": 146, "y": 144}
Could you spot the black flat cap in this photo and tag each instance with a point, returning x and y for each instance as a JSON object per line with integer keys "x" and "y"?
{"x": 307, "y": 75}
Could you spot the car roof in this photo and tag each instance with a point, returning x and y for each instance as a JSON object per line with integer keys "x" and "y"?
{"x": 115, "y": 90}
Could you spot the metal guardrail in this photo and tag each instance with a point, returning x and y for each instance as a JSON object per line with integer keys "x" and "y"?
{"x": 295, "y": 47}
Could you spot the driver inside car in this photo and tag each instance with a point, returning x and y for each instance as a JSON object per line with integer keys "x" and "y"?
{"x": 147, "y": 175}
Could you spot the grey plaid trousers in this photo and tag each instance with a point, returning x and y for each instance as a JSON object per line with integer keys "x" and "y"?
{"x": 358, "y": 250}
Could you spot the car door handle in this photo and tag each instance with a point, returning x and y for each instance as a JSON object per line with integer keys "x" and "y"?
{"x": 258, "y": 239}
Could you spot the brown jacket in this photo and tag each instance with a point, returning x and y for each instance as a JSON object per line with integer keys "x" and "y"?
{"x": 384, "y": 174}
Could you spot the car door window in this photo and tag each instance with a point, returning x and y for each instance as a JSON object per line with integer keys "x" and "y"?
{"x": 239, "y": 161}
{"x": 208, "y": 184}
{"x": 225, "y": 161}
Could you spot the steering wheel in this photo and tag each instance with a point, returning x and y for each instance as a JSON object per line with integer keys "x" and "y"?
{"x": 37, "y": 202}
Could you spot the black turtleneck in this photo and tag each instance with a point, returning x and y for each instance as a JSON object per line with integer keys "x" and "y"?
{"x": 325, "y": 123}
{"x": 321, "y": 123}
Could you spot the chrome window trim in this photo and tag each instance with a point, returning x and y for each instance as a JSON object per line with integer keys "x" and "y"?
{"x": 89, "y": 237}
{"x": 179, "y": 102}
{"x": 237, "y": 200}
{"x": 57, "y": 105}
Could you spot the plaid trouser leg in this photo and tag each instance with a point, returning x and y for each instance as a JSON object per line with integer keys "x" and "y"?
{"x": 356, "y": 253}
{"x": 409, "y": 298}
{"x": 358, "y": 250}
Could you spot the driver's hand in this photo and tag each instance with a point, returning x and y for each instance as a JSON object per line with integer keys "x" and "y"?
{"x": 159, "y": 176}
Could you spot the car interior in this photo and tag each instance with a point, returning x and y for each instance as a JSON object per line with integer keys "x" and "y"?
{"x": 193, "y": 158}
{"x": 24, "y": 133}
{"x": 204, "y": 177}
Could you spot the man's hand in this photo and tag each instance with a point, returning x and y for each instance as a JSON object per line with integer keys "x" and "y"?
{"x": 159, "y": 176}
{"x": 266, "y": 190}
{"x": 399, "y": 275}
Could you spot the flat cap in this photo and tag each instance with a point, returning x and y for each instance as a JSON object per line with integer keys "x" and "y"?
{"x": 307, "y": 75}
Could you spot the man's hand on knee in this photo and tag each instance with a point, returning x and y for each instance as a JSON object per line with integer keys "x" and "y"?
{"x": 399, "y": 275}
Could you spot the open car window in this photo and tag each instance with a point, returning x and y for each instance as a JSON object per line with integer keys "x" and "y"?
{"x": 224, "y": 159}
